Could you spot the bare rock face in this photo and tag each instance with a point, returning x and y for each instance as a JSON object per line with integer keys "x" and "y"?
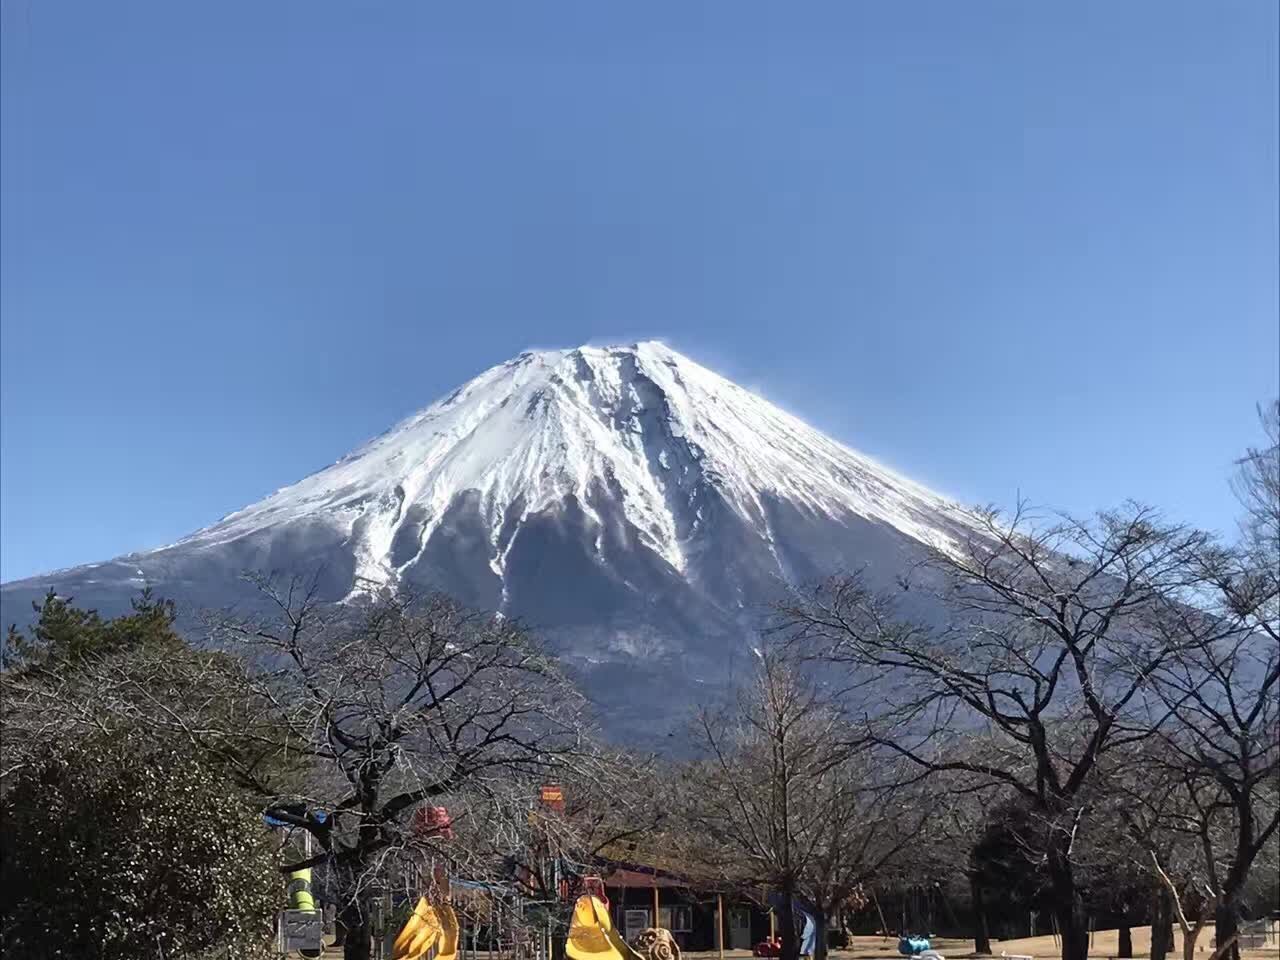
{"x": 632, "y": 506}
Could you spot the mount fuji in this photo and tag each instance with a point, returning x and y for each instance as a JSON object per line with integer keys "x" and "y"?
{"x": 632, "y": 506}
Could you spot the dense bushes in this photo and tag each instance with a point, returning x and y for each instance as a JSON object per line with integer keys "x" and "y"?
{"x": 119, "y": 848}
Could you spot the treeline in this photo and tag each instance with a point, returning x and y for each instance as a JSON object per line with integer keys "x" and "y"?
{"x": 1094, "y": 726}
{"x": 1091, "y": 730}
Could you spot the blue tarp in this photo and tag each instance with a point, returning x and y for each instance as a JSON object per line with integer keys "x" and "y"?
{"x": 809, "y": 935}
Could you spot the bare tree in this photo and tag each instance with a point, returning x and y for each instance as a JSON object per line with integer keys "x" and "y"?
{"x": 781, "y": 797}
{"x": 968, "y": 812}
{"x": 1057, "y": 630}
{"x": 346, "y": 722}
{"x": 1225, "y": 694}
{"x": 1257, "y": 487}
{"x": 1161, "y": 806}
{"x": 868, "y": 829}
{"x": 393, "y": 704}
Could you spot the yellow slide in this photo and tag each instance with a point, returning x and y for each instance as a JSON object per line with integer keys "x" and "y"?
{"x": 592, "y": 936}
{"x": 448, "y": 948}
{"x": 419, "y": 933}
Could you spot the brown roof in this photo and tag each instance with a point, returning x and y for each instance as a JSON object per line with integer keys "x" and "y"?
{"x": 623, "y": 877}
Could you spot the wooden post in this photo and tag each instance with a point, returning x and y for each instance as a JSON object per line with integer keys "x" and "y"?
{"x": 771, "y": 923}
{"x": 656, "y": 921}
{"x": 382, "y": 926}
{"x": 720, "y": 925}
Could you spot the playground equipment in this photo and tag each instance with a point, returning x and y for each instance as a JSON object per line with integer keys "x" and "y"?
{"x": 430, "y": 926}
{"x": 433, "y": 822}
{"x": 299, "y": 890}
{"x": 447, "y": 948}
{"x": 914, "y": 946}
{"x": 593, "y": 886}
{"x": 592, "y": 935}
{"x": 655, "y": 943}
{"x": 298, "y": 886}
{"x": 300, "y": 898}
{"x": 420, "y": 933}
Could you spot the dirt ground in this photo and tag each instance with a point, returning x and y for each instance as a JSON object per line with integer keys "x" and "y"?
{"x": 1105, "y": 944}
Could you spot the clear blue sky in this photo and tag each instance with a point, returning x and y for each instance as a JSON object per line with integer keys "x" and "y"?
{"x": 1001, "y": 245}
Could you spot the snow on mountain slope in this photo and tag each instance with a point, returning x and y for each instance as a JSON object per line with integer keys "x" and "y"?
{"x": 627, "y": 501}
{"x": 529, "y": 433}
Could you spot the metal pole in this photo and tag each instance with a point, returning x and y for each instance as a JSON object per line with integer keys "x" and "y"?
{"x": 884, "y": 926}
{"x": 656, "y": 915}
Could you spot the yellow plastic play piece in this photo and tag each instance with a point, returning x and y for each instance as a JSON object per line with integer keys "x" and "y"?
{"x": 425, "y": 939}
{"x": 411, "y": 927}
{"x": 419, "y": 933}
{"x": 448, "y": 946}
{"x": 592, "y": 936}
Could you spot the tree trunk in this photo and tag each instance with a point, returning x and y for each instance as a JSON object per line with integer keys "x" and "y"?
{"x": 1226, "y": 919}
{"x": 1161, "y": 923}
{"x": 787, "y": 922}
{"x": 981, "y": 933}
{"x": 819, "y": 934}
{"x": 1189, "y": 940}
{"x": 358, "y": 943}
{"x": 1067, "y": 908}
{"x": 1126, "y": 939}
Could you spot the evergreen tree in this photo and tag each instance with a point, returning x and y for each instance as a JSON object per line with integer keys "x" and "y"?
{"x": 65, "y": 634}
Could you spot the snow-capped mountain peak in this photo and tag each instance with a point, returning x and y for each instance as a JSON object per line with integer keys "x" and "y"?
{"x": 657, "y": 429}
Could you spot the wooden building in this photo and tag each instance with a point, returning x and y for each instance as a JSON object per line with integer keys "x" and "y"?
{"x": 684, "y": 907}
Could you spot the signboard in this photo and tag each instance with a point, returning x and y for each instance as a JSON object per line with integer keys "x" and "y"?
{"x": 301, "y": 930}
{"x": 552, "y": 796}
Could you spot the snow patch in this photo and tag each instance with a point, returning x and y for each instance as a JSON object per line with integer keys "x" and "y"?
{"x": 653, "y": 425}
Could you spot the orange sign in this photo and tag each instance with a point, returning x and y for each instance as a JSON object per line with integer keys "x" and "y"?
{"x": 552, "y": 796}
